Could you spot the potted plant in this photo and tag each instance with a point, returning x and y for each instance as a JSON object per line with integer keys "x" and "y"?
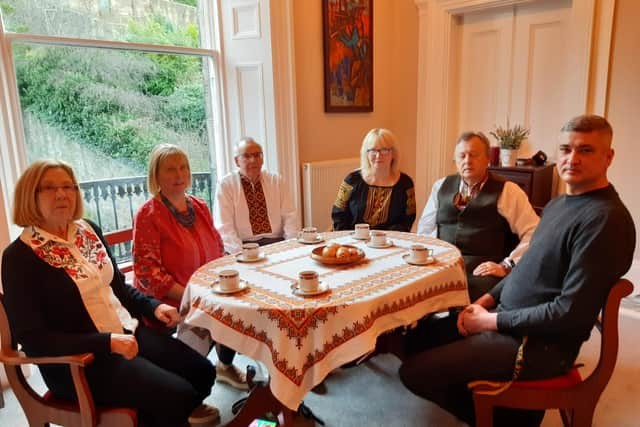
{"x": 510, "y": 140}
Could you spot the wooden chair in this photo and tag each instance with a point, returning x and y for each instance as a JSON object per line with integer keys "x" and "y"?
{"x": 117, "y": 237}
{"x": 42, "y": 410}
{"x": 574, "y": 397}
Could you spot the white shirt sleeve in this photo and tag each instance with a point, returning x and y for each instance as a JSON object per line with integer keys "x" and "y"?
{"x": 514, "y": 206}
{"x": 427, "y": 224}
{"x": 224, "y": 215}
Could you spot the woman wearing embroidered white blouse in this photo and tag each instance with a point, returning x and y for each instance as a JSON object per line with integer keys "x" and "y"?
{"x": 65, "y": 295}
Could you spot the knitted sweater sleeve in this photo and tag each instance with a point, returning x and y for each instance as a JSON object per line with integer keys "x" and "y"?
{"x": 595, "y": 262}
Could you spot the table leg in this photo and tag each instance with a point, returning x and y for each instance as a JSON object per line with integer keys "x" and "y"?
{"x": 259, "y": 402}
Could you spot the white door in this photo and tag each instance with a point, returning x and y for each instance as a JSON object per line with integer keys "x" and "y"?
{"x": 249, "y": 74}
{"x": 514, "y": 63}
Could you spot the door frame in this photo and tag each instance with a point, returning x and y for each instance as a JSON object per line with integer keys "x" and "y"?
{"x": 592, "y": 21}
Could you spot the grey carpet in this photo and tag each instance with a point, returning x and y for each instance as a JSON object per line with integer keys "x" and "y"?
{"x": 371, "y": 394}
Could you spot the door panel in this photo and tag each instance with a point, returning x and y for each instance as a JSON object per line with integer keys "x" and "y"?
{"x": 483, "y": 96}
{"x": 541, "y": 73}
{"x": 514, "y": 64}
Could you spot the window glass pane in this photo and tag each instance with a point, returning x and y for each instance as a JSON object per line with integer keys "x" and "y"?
{"x": 103, "y": 110}
{"x": 166, "y": 22}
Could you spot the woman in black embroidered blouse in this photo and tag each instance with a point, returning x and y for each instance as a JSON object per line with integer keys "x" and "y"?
{"x": 378, "y": 193}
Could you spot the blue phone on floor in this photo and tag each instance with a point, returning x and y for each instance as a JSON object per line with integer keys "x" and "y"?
{"x": 263, "y": 423}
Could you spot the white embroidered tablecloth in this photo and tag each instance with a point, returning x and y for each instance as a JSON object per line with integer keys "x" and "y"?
{"x": 301, "y": 339}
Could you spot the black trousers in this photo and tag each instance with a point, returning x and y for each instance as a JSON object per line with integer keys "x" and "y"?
{"x": 225, "y": 354}
{"x": 480, "y": 285}
{"x": 442, "y": 362}
{"x": 165, "y": 382}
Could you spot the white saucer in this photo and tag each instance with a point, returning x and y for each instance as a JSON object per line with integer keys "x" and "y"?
{"x": 241, "y": 258}
{"x": 241, "y": 287}
{"x": 353, "y": 236}
{"x": 429, "y": 260}
{"x": 322, "y": 288}
{"x": 387, "y": 244}
{"x": 319, "y": 239}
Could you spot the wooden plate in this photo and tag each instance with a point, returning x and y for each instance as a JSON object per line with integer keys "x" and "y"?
{"x": 316, "y": 254}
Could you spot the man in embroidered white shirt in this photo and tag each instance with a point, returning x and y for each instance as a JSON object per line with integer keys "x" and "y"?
{"x": 253, "y": 205}
{"x": 490, "y": 220}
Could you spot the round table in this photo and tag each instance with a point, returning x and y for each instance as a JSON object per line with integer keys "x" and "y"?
{"x": 301, "y": 339}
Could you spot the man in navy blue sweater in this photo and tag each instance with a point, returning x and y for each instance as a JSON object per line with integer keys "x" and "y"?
{"x": 582, "y": 246}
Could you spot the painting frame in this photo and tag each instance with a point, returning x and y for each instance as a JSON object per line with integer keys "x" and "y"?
{"x": 347, "y": 36}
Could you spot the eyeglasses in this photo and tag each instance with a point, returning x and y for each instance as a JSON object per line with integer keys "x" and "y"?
{"x": 53, "y": 189}
{"x": 247, "y": 156}
{"x": 382, "y": 151}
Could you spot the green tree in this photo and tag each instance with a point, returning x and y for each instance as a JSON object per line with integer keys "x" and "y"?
{"x": 122, "y": 103}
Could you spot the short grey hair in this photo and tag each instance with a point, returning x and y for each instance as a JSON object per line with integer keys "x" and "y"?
{"x": 587, "y": 123}
{"x": 466, "y": 137}
{"x": 243, "y": 141}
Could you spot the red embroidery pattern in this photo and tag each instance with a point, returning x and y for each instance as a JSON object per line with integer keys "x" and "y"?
{"x": 58, "y": 254}
{"x": 298, "y": 322}
{"x": 281, "y": 363}
{"x": 257, "y": 204}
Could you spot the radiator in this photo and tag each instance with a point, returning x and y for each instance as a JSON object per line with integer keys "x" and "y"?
{"x": 320, "y": 183}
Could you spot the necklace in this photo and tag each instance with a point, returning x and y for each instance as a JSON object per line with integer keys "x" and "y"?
{"x": 187, "y": 218}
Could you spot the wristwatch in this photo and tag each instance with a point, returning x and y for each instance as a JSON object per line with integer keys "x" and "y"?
{"x": 508, "y": 264}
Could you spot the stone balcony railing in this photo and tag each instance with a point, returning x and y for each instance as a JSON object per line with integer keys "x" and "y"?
{"x": 112, "y": 203}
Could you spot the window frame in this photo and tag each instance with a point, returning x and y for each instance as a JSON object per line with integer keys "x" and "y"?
{"x": 12, "y": 151}
{"x": 285, "y": 155}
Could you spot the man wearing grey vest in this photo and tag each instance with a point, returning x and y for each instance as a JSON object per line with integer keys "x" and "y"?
{"x": 533, "y": 323}
{"x": 489, "y": 219}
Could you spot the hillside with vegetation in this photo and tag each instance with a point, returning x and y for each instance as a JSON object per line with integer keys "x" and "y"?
{"x": 121, "y": 103}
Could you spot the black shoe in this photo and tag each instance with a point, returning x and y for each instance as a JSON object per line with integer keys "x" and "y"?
{"x": 320, "y": 388}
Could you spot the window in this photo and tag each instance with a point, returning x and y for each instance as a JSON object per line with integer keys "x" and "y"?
{"x": 100, "y": 83}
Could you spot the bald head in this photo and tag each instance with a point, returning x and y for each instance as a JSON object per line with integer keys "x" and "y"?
{"x": 242, "y": 145}
{"x": 248, "y": 157}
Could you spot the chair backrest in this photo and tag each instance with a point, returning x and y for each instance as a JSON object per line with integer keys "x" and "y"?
{"x": 607, "y": 324}
{"x": 124, "y": 236}
{"x": 120, "y": 236}
{"x": 43, "y": 410}
{"x": 21, "y": 388}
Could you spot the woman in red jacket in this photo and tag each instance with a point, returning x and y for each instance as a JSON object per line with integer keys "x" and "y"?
{"x": 173, "y": 235}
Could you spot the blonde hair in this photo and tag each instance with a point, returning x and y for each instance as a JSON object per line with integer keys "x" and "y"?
{"x": 388, "y": 139}
{"x": 25, "y": 204}
{"x": 158, "y": 155}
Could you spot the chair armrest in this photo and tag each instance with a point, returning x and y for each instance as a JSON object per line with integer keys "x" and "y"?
{"x": 77, "y": 363}
{"x": 19, "y": 358}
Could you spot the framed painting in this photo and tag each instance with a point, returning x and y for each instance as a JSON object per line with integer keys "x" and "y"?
{"x": 348, "y": 55}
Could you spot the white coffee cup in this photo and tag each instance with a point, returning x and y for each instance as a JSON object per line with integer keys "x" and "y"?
{"x": 420, "y": 253}
{"x": 378, "y": 238}
{"x": 308, "y": 234}
{"x": 362, "y": 231}
{"x": 229, "y": 280}
{"x": 309, "y": 281}
{"x": 250, "y": 250}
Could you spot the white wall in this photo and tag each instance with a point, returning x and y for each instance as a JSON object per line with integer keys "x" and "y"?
{"x": 623, "y": 111}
